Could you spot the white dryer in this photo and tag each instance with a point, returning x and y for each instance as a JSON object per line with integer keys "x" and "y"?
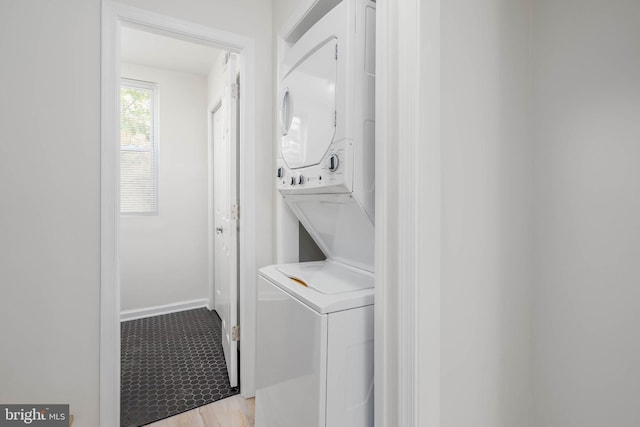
{"x": 314, "y": 356}
{"x": 326, "y": 169}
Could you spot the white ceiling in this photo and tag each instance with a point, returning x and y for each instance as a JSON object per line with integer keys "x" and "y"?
{"x": 153, "y": 50}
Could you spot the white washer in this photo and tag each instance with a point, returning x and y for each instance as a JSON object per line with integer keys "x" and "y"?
{"x": 315, "y": 346}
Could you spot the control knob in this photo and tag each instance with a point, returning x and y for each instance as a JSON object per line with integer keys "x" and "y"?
{"x": 333, "y": 162}
{"x": 300, "y": 180}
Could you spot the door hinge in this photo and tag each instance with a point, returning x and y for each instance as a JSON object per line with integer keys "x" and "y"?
{"x": 235, "y": 211}
{"x": 235, "y": 333}
{"x": 235, "y": 91}
{"x": 335, "y": 118}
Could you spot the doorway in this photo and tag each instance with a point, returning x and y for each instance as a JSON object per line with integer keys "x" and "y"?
{"x": 173, "y": 350}
{"x": 115, "y": 18}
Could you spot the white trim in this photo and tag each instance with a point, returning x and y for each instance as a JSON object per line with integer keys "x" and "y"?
{"x": 109, "y": 223}
{"x": 407, "y": 132}
{"x": 428, "y": 218}
{"x": 248, "y": 210}
{"x": 141, "y": 313}
{"x": 386, "y": 328}
{"x": 408, "y": 203}
{"x": 113, "y": 16}
{"x": 177, "y": 28}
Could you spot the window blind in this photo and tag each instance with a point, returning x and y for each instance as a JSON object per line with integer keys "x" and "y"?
{"x": 138, "y": 148}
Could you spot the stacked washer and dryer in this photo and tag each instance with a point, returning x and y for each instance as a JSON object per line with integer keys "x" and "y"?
{"x": 314, "y": 356}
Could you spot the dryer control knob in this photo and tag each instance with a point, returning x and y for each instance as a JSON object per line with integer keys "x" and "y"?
{"x": 292, "y": 180}
{"x": 280, "y": 172}
{"x": 334, "y": 161}
{"x": 300, "y": 180}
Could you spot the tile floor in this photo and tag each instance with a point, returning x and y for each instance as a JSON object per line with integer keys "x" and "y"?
{"x": 171, "y": 364}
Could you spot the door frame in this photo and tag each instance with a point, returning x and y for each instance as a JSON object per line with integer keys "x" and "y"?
{"x": 114, "y": 15}
{"x": 408, "y": 214}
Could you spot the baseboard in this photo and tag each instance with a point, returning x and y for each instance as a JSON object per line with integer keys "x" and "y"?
{"x": 141, "y": 313}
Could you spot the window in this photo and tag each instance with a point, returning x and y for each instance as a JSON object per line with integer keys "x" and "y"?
{"x": 138, "y": 148}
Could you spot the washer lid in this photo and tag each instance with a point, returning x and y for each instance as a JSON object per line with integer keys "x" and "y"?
{"x": 328, "y": 277}
{"x": 318, "y": 301}
{"x": 308, "y": 106}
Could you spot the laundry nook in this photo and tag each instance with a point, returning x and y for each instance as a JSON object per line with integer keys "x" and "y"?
{"x": 314, "y": 353}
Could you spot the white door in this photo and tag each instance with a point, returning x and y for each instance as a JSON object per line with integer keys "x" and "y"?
{"x": 225, "y": 202}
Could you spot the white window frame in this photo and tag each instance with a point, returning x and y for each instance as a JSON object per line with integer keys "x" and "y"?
{"x": 155, "y": 137}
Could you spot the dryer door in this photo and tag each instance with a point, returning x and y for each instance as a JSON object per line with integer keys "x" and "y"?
{"x": 308, "y": 106}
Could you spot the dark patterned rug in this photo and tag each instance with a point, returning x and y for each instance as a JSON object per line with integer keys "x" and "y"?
{"x": 171, "y": 364}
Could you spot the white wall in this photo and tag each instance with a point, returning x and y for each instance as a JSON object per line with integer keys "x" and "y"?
{"x": 50, "y": 186}
{"x": 486, "y": 192}
{"x": 540, "y": 131}
{"x": 50, "y": 205}
{"x": 282, "y": 11}
{"x": 164, "y": 258}
{"x": 587, "y": 294}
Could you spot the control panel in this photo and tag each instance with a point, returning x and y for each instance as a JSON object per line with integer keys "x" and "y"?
{"x": 332, "y": 174}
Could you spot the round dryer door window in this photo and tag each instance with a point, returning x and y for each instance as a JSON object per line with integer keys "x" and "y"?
{"x": 307, "y": 107}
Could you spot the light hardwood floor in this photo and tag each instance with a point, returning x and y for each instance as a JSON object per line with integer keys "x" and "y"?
{"x": 234, "y": 411}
